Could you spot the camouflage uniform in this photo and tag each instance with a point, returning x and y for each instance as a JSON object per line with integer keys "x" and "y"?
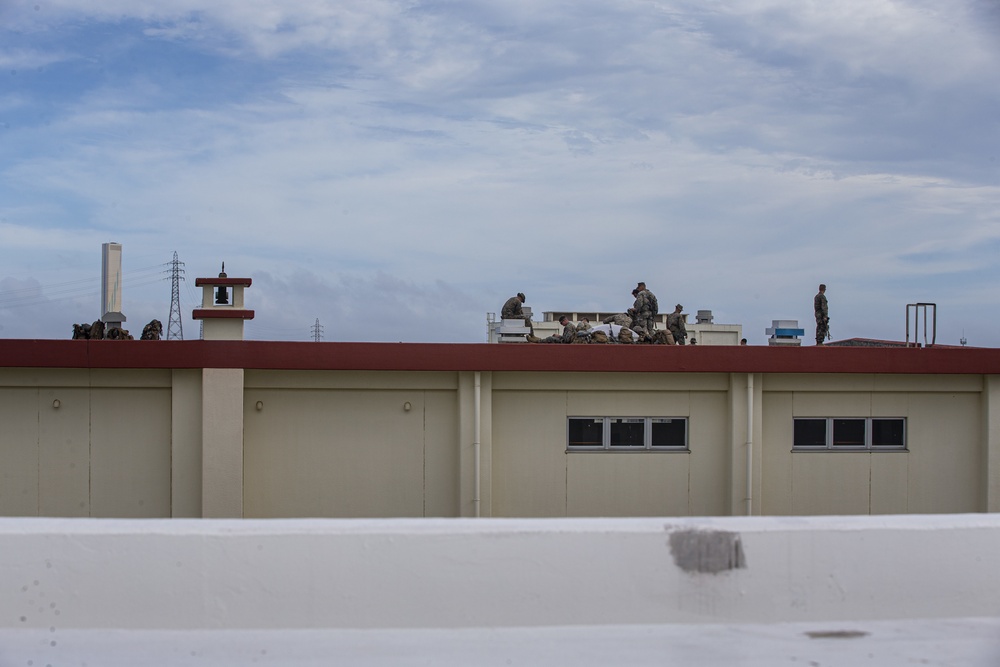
{"x": 621, "y": 319}
{"x": 663, "y": 337}
{"x": 568, "y": 334}
{"x": 675, "y": 323}
{"x": 645, "y": 311}
{"x": 512, "y": 311}
{"x": 822, "y": 317}
{"x": 584, "y": 325}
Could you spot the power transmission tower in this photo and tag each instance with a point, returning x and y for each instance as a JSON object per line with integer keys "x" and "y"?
{"x": 175, "y": 328}
{"x": 317, "y": 331}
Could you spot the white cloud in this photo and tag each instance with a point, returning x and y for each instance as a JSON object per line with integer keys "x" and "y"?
{"x": 450, "y": 155}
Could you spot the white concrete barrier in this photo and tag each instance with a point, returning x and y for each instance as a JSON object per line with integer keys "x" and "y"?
{"x": 459, "y": 573}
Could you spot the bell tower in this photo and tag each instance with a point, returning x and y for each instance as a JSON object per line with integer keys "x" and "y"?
{"x": 222, "y": 306}
{"x": 222, "y": 314}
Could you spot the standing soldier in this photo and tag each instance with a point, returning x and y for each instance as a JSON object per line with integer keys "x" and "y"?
{"x": 675, "y": 322}
{"x": 646, "y": 308}
{"x": 822, "y": 315}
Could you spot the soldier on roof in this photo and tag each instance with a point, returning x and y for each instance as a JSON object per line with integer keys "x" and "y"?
{"x": 646, "y": 309}
{"x": 512, "y": 311}
{"x": 568, "y": 333}
{"x": 822, "y": 315}
{"x": 675, "y": 323}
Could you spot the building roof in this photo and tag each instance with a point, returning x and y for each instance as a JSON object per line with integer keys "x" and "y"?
{"x": 273, "y": 355}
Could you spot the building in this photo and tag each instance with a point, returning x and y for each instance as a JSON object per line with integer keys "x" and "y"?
{"x": 111, "y": 285}
{"x": 274, "y": 429}
{"x": 223, "y": 427}
{"x": 227, "y": 428}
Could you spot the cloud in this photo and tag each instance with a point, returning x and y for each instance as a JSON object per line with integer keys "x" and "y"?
{"x": 378, "y": 307}
{"x": 451, "y": 154}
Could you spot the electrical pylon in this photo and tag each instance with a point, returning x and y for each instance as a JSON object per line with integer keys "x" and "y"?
{"x": 317, "y": 331}
{"x": 175, "y": 328}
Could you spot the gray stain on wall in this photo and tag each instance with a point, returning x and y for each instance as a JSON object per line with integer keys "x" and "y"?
{"x": 711, "y": 551}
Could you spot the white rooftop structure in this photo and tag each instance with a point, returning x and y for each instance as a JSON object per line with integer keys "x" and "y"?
{"x": 784, "y": 332}
{"x": 703, "y": 329}
{"x": 111, "y": 285}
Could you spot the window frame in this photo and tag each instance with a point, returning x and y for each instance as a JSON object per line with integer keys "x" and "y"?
{"x": 830, "y": 444}
{"x": 647, "y": 434}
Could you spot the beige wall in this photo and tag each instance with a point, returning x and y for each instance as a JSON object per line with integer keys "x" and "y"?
{"x": 85, "y": 443}
{"x": 534, "y": 475}
{"x": 160, "y": 443}
{"x": 939, "y": 472}
{"x": 345, "y": 444}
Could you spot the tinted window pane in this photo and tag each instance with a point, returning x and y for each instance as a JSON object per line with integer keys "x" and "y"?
{"x": 810, "y": 433}
{"x": 669, "y": 432}
{"x": 888, "y": 433}
{"x": 848, "y": 432}
{"x": 586, "y": 432}
{"x": 627, "y": 432}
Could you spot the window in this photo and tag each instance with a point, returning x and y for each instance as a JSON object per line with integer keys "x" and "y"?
{"x": 626, "y": 434}
{"x": 889, "y": 433}
{"x": 849, "y": 433}
{"x": 586, "y": 433}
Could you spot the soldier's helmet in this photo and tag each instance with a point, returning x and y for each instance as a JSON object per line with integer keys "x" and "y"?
{"x": 520, "y": 295}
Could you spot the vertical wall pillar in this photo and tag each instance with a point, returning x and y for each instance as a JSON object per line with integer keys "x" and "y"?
{"x": 486, "y": 444}
{"x": 991, "y": 443}
{"x": 467, "y": 437}
{"x": 745, "y": 444}
{"x": 757, "y": 474}
{"x": 737, "y": 431}
{"x": 222, "y": 442}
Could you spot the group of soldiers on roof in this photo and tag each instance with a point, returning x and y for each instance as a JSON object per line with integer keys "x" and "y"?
{"x": 636, "y": 325}
{"x": 98, "y": 331}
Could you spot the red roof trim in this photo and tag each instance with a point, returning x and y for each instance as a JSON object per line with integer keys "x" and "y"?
{"x": 225, "y": 282}
{"x": 221, "y": 313}
{"x": 522, "y": 357}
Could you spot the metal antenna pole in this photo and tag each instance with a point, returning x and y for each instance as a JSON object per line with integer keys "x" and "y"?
{"x": 175, "y": 328}
{"x": 317, "y": 330}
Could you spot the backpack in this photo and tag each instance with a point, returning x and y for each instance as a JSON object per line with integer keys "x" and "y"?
{"x": 653, "y": 306}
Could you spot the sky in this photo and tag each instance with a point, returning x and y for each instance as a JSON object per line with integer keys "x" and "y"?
{"x": 395, "y": 170}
